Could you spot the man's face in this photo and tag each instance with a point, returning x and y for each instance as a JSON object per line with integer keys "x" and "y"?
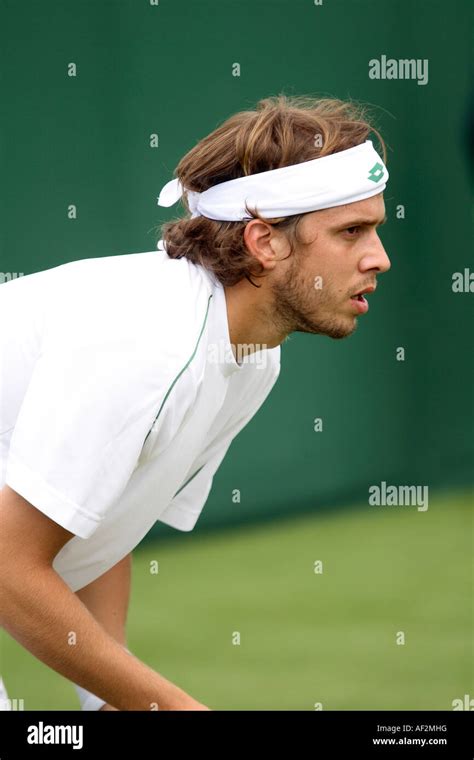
{"x": 345, "y": 255}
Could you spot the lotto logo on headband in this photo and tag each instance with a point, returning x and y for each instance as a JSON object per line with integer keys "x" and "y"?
{"x": 376, "y": 173}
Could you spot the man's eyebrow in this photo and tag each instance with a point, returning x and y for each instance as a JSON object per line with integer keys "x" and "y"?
{"x": 360, "y": 221}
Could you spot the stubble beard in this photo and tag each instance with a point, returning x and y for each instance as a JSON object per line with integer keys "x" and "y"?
{"x": 299, "y": 307}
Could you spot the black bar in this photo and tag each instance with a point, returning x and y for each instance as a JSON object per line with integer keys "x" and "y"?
{"x": 307, "y": 734}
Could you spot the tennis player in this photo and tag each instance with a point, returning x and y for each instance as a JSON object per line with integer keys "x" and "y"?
{"x": 126, "y": 378}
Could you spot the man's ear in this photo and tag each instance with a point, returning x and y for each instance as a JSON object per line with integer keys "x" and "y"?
{"x": 266, "y": 244}
{"x": 280, "y": 245}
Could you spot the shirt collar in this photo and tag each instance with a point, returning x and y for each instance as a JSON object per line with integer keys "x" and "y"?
{"x": 219, "y": 345}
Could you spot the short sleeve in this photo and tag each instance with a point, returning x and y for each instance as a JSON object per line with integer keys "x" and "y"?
{"x": 80, "y": 431}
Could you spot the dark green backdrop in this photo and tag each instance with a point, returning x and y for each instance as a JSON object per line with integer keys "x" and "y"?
{"x": 167, "y": 69}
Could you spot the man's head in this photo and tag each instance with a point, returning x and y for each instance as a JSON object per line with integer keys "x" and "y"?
{"x": 337, "y": 255}
{"x": 296, "y": 272}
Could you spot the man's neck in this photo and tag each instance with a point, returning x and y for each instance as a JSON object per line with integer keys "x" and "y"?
{"x": 249, "y": 318}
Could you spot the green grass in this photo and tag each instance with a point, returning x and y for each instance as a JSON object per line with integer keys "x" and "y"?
{"x": 304, "y": 637}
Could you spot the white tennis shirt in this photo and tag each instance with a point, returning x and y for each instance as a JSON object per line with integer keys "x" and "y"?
{"x": 119, "y": 397}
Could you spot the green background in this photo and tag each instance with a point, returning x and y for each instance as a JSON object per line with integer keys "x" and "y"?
{"x": 167, "y": 69}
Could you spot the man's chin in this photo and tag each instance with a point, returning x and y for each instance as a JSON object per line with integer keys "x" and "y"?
{"x": 340, "y": 335}
{"x": 335, "y": 330}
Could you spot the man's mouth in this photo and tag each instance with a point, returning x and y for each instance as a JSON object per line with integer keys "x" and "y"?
{"x": 368, "y": 289}
{"x": 360, "y": 302}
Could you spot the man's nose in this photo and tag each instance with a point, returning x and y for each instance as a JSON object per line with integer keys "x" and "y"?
{"x": 375, "y": 257}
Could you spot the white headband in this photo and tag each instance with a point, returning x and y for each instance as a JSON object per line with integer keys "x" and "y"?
{"x": 345, "y": 177}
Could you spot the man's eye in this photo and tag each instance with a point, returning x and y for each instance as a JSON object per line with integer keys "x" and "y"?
{"x": 352, "y": 230}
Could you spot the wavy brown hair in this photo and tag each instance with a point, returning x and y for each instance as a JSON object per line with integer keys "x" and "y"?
{"x": 281, "y": 131}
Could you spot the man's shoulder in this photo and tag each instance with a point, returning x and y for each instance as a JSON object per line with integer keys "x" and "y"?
{"x": 142, "y": 310}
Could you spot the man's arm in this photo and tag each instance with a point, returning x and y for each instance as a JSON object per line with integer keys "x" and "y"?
{"x": 41, "y": 612}
{"x": 107, "y": 598}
